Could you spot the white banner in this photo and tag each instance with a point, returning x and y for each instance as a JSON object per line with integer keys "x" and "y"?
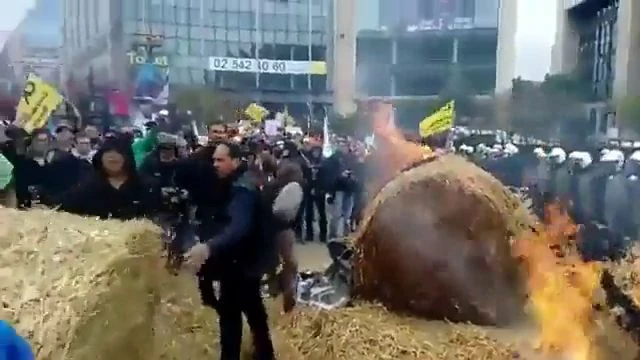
{"x": 267, "y": 66}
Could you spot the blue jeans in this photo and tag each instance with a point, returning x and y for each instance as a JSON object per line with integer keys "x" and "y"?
{"x": 340, "y": 212}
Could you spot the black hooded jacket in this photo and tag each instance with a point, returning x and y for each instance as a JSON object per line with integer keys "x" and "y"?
{"x": 97, "y": 197}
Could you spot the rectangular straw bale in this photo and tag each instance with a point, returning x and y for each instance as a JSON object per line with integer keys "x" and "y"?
{"x": 79, "y": 288}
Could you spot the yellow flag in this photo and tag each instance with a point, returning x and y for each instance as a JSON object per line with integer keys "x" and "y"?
{"x": 439, "y": 121}
{"x": 256, "y": 112}
{"x": 38, "y": 101}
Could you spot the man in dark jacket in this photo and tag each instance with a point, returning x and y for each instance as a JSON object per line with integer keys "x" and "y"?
{"x": 28, "y": 157}
{"x": 64, "y": 170}
{"x": 341, "y": 185}
{"x": 233, "y": 254}
{"x": 314, "y": 193}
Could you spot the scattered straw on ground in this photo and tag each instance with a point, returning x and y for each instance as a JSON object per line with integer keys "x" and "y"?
{"x": 370, "y": 332}
{"x": 184, "y": 329}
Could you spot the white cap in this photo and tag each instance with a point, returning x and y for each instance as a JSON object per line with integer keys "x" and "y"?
{"x": 163, "y": 112}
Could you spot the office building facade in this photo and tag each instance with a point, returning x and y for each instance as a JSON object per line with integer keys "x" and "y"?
{"x": 265, "y": 50}
{"x": 409, "y": 48}
{"x": 598, "y": 41}
{"x": 34, "y": 45}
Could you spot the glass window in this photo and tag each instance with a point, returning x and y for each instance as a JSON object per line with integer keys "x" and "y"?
{"x": 281, "y": 37}
{"x": 232, "y": 49}
{"x": 316, "y": 37}
{"x": 170, "y": 30}
{"x": 246, "y": 20}
{"x": 220, "y": 4}
{"x": 197, "y": 76}
{"x": 292, "y": 37}
{"x": 245, "y": 5}
{"x": 209, "y": 48}
{"x": 269, "y": 22}
{"x": 245, "y": 35}
{"x": 233, "y": 20}
{"x": 220, "y": 48}
{"x": 281, "y": 22}
{"x": 183, "y": 46}
{"x": 208, "y": 33}
{"x": 246, "y": 50}
{"x": 194, "y": 15}
{"x": 182, "y": 15}
{"x": 318, "y": 23}
{"x": 195, "y": 32}
{"x": 183, "y": 31}
{"x": 303, "y": 37}
{"x": 129, "y": 27}
{"x": 194, "y": 47}
{"x": 233, "y": 5}
{"x": 142, "y": 9}
{"x": 233, "y": 35}
{"x": 292, "y": 22}
{"x": 268, "y": 36}
{"x": 170, "y": 14}
{"x": 156, "y": 12}
{"x": 130, "y": 10}
{"x": 169, "y": 45}
{"x": 468, "y": 8}
{"x": 303, "y": 22}
{"x": 218, "y": 19}
{"x": 221, "y": 34}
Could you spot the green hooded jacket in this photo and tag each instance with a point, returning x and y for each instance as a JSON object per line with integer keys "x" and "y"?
{"x": 143, "y": 146}
{"x": 6, "y": 171}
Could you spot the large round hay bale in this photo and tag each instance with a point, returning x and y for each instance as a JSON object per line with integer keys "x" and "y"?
{"x": 435, "y": 243}
{"x": 79, "y": 288}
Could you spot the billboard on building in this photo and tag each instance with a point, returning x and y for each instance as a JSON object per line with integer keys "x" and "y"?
{"x": 149, "y": 74}
{"x": 266, "y": 66}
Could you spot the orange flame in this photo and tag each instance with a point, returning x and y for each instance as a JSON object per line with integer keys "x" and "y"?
{"x": 561, "y": 288}
{"x": 392, "y": 148}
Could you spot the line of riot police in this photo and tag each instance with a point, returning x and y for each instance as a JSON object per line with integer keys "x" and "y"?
{"x": 599, "y": 187}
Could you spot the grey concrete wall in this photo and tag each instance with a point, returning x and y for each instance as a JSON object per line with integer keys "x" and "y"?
{"x": 564, "y": 54}
{"x": 344, "y": 57}
{"x": 506, "y": 50}
{"x": 627, "y": 66}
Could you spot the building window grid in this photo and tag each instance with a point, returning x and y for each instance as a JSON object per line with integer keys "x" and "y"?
{"x": 235, "y": 40}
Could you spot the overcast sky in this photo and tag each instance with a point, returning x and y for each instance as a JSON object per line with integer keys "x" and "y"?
{"x": 535, "y": 35}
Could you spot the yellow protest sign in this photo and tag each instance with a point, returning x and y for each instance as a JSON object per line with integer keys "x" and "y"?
{"x": 38, "y": 101}
{"x": 439, "y": 121}
{"x": 256, "y": 112}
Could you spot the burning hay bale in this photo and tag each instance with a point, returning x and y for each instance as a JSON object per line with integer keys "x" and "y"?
{"x": 79, "y": 288}
{"x": 621, "y": 283}
{"x": 626, "y": 274}
{"x": 435, "y": 243}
